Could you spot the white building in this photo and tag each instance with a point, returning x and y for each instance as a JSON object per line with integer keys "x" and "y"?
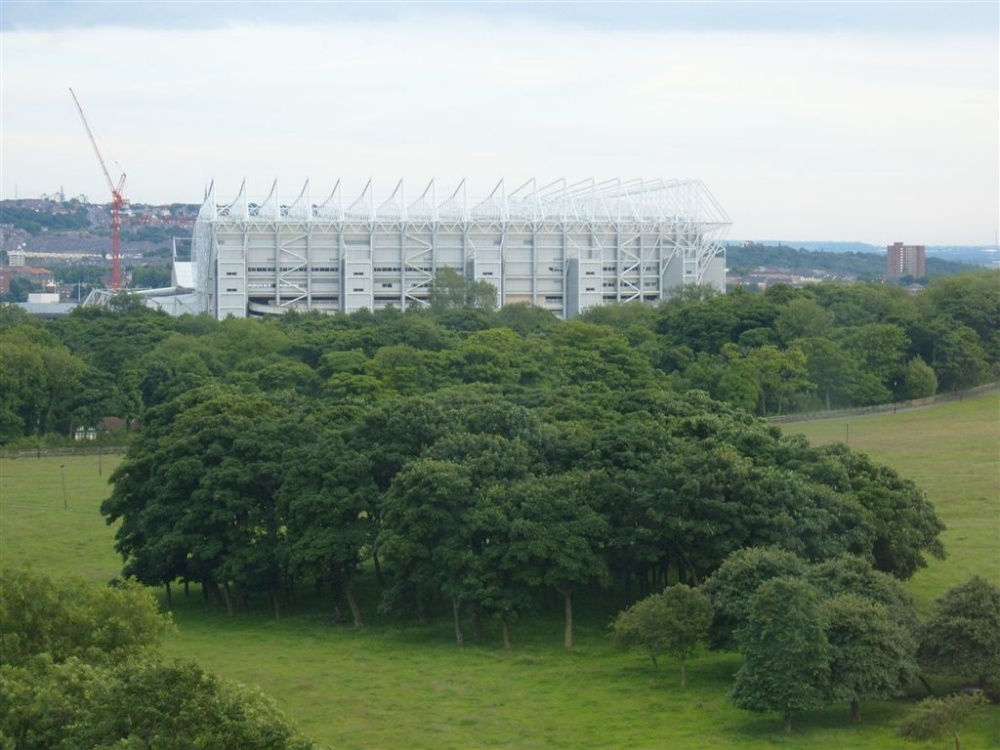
{"x": 565, "y": 248}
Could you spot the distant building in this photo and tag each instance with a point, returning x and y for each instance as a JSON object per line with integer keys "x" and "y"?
{"x": 905, "y": 260}
{"x": 41, "y": 276}
{"x": 566, "y": 248}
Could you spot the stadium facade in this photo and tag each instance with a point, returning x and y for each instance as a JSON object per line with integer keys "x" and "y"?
{"x": 562, "y": 247}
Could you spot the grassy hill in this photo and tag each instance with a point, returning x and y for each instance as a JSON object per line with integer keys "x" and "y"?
{"x": 393, "y": 685}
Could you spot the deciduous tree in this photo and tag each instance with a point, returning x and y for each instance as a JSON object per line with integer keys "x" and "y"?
{"x": 786, "y": 655}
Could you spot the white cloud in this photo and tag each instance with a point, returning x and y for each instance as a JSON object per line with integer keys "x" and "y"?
{"x": 800, "y": 135}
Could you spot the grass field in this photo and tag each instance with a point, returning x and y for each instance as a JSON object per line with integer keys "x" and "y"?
{"x": 390, "y": 686}
{"x": 953, "y": 453}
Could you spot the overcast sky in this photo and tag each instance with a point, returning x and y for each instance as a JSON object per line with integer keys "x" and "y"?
{"x": 871, "y": 122}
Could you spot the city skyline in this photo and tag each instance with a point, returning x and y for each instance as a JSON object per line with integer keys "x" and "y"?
{"x": 869, "y": 122}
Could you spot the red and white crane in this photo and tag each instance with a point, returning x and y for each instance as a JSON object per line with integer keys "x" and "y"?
{"x": 117, "y": 202}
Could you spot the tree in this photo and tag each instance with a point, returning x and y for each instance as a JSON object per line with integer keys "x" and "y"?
{"x": 934, "y": 717}
{"x": 786, "y": 655}
{"x": 778, "y": 374}
{"x": 64, "y": 619}
{"x": 197, "y": 494}
{"x": 79, "y": 668}
{"x": 919, "y": 380}
{"x": 802, "y": 318}
{"x": 424, "y": 537}
{"x": 959, "y": 360}
{"x": 881, "y": 349}
{"x": 836, "y": 374}
{"x": 326, "y": 514}
{"x": 556, "y": 536}
{"x": 450, "y": 290}
{"x": 872, "y": 657}
{"x": 674, "y": 622}
{"x": 901, "y": 524}
{"x": 135, "y": 704}
{"x": 732, "y": 587}
{"x": 962, "y": 635}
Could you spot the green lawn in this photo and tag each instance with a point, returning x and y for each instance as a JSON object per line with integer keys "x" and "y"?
{"x": 391, "y": 686}
{"x": 37, "y": 531}
{"x": 953, "y": 453}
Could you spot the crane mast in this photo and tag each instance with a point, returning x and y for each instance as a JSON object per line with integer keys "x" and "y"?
{"x": 117, "y": 202}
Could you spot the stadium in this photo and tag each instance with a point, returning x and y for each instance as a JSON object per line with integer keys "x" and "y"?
{"x": 563, "y": 247}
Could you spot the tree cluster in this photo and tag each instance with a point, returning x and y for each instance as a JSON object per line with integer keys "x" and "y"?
{"x": 827, "y": 346}
{"x": 812, "y": 634}
{"x": 485, "y": 501}
{"x": 79, "y": 668}
{"x": 836, "y": 631}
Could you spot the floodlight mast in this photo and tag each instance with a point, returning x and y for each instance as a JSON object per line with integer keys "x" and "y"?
{"x": 117, "y": 201}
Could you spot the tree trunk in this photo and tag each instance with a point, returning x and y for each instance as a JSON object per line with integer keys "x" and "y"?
{"x": 788, "y": 723}
{"x": 228, "y": 599}
{"x": 930, "y": 690}
{"x": 477, "y": 626}
{"x": 506, "y": 633}
{"x": 856, "y": 711}
{"x": 958, "y": 740}
{"x": 568, "y": 637}
{"x": 170, "y": 598}
{"x": 459, "y": 638}
{"x": 352, "y": 602}
{"x": 274, "y": 602}
{"x": 683, "y": 675}
{"x": 187, "y": 589}
{"x": 378, "y": 570}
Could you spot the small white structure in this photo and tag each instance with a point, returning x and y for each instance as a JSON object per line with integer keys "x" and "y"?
{"x": 43, "y": 298}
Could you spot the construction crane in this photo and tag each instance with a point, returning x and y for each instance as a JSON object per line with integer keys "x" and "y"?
{"x": 117, "y": 202}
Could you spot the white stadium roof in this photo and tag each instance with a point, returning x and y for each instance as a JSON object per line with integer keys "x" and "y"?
{"x": 683, "y": 202}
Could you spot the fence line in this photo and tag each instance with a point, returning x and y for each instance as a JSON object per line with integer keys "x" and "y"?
{"x": 89, "y": 450}
{"x": 919, "y": 403}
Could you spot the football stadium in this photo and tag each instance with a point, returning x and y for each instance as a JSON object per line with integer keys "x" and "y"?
{"x": 564, "y": 247}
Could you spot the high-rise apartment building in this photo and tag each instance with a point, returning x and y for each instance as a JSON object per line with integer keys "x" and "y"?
{"x": 905, "y": 260}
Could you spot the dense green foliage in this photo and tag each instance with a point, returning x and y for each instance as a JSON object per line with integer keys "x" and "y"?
{"x": 674, "y": 621}
{"x": 79, "y": 669}
{"x": 826, "y": 346}
{"x": 935, "y": 717}
{"x": 66, "y": 619}
{"x": 489, "y": 502}
{"x": 325, "y": 675}
{"x": 838, "y": 630}
{"x": 962, "y": 636}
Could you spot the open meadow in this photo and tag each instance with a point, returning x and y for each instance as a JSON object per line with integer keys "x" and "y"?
{"x": 409, "y": 686}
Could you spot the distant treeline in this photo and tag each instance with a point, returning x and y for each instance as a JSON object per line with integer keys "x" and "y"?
{"x": 36, "y": 222}
{"x": 864, "y": 266}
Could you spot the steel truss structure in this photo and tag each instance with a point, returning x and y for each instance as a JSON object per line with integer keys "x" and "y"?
{"x": 564, "y": 247}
